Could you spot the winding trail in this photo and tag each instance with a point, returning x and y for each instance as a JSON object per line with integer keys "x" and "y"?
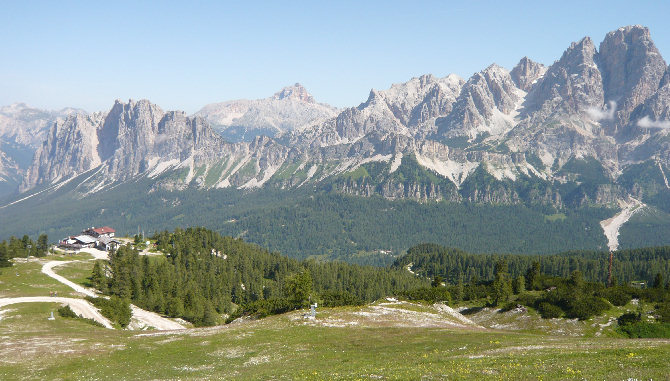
{"x": 79, "y": 306}
{"x": 145, "y": 318}
{"x": 48, "y": 270}
{"x": 84, "y": 308}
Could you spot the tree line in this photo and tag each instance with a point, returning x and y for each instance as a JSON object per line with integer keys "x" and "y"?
{"x": 451, "y": 264}
{"x": 203, "y": 275}
{"x": 22, "y": 248}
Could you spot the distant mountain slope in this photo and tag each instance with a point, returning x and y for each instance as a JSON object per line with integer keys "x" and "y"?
{"x": 291, "y": 108}
{"x": 22, "y": 131}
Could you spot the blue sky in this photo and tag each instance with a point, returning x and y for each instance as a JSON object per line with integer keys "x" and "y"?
{"x": 183, "y": 55}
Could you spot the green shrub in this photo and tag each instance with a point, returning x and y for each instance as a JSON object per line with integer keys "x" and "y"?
{"x": 428, "y": 294}
{"x": 549, "y": 311}
{"x": 339, "y": 298}
{"x": 663, "y": 311}
{"x": 527, "y": 299}
{"x": 265, "y": 307}
{"x": 66, "y": 312}
{"x": 587, "y": 307}
{"x": 628, "y": 318}
{"x": 115, "y": 309}
{"x": 643, "y": 329}
{"x": 618, "y": 296}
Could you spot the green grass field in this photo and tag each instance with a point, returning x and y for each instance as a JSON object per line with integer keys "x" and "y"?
{"x": 78, "y": 272}
{"x": 30, "y": 281}
{"x": 285, "y": 347}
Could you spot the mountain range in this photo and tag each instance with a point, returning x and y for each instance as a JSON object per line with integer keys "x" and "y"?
{"x": 592, "y": 129}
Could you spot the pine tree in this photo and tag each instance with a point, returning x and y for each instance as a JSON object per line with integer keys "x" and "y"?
{"x": 658, "y": 280}
{"x": 519, "y": 285}
{"x": 42, "y": 245}
{"x": 4, "y": 255}
{"x": 98, "y": 277}
{"x": 298, "y": 288}
{"x": 533, "y": 276}
{"x": 502, "y": 287}
{"x": 460, "y": 291}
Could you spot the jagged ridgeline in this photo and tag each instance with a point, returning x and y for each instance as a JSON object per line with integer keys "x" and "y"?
{"x": 563, "y": 142}
{"x": 429, "y": 260}
{"x": 204, "y": 273}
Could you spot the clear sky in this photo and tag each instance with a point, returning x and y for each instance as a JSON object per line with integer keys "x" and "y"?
{"x": 183, "y": 55}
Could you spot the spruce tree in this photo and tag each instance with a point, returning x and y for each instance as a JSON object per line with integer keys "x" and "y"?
{"x": 4, "y": 255}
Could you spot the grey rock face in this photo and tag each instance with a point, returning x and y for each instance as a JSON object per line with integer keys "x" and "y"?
{"x": 484, "y": 105}
{"x": 469, "y": 140}
{"x": 407, "y": 109}
{"x": 291, "y": 108}
{"x": 297, "y": 92}
{"x": 526, "y": 73}
{"x": 71, "y": 148}
{"x": 632, "y": 68}
{"x": 22, "y": 131}
{"x": 571, "y": 85}
{"x": 27, "y": 125}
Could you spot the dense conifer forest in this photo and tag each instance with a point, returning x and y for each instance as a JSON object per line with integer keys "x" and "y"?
{"x": 204, "y": 274}
{"x": 315, "y": 223}
{"x": 643, "y": 264}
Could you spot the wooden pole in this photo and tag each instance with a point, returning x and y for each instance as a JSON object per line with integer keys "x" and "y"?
{"x": 609, "y": 272}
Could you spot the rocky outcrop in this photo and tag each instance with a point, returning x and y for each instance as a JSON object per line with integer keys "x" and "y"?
{"x": 570, "y": 86}
{"x": 486, "y": 104}
{"x": 526, "y": 73}
{"x": 71, "y": 148}
{"x": 632, "y": 68}
{"x": 22, "y": 131}
{"x": 139, "y": 138}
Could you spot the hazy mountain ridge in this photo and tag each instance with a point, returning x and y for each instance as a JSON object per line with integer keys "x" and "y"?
{"x": 22, "y": 130}
{"x": 533, "y": 134}
{"x": 291, "y": 108}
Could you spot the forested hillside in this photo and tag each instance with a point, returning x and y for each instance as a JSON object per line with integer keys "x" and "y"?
{"x": 305, "y": 222}
{"x": 431, "y": 260}
{"x": 204, "y": 274}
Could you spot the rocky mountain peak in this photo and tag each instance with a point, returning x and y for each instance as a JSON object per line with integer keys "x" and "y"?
{"x": 297, "y": 92}
{"x": 582, "y": 52}
{"x": 484, "y": 105}
{"x": 291, "y": 108}
{"x": 571, "y": 85}
{"x": 526, "y": 73}
{"x": 632, "y": 69}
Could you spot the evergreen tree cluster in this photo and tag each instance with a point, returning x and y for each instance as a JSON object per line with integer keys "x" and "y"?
{"x": 204, "y": 274}
{"x": 22, "y": 248}
{"x": 451, "y": 264}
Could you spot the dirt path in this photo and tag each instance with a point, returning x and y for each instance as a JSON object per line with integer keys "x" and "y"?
{"x": 152, "y": 319}
{"x": 142, "y": 317}
{"x": 79, "y": 306}
{"x": 48, "y": 270}
{"x": 612, "y": 225}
